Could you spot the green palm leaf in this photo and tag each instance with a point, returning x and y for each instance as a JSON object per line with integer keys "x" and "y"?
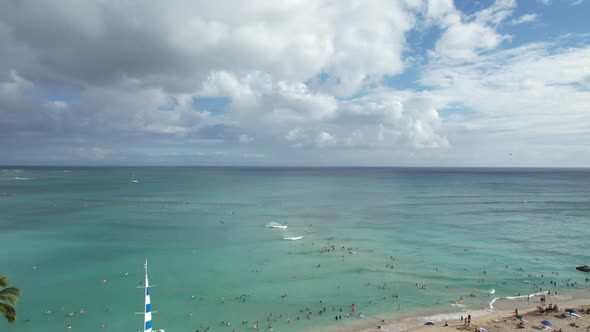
{"x": 8, "y": 299}
{"x": 4, "y": 281}
{"x": 8, "y": 311}
{"x": 9, "y": 295}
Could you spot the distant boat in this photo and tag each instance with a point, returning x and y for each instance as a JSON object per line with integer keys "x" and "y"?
{"x": 133, "y": 179}
{"x": 273, "y": 224}
{"x": 147, "y": 317}
{"x": 293, "y": 238}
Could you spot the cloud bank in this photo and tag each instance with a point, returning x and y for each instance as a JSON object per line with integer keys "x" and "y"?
{"x": 296, "y": 82}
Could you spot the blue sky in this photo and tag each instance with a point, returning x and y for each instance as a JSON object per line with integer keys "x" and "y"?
{"x": 301, "y": 82}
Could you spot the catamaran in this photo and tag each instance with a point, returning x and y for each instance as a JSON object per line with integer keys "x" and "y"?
{"x": 147, "y": 317}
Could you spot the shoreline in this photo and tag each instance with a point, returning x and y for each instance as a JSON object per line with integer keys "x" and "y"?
{"x": 493, "y": 319}
{"x": 506, "y": 320}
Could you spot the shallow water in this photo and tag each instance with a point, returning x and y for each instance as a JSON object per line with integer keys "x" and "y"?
{"x": 453, "y": 231}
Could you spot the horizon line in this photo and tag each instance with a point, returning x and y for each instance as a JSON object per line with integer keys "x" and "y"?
{"x": 294, "y": 166}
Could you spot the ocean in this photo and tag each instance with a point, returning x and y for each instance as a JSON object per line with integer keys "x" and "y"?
{"x": 395, "y": 242}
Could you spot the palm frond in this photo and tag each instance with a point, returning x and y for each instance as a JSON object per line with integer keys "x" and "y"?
{"x": 10, "y": 290}
{"x": 4, "y": 282}
{"x": 10, "y": 297}
{"x": 8, "y": 311}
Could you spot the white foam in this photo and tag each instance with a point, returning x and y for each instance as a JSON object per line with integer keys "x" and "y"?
{"x": 492, "y": 302}
{"x": 515, "y": 297}
{"x": 19, "y": 178}
{"x": 293, "y": 238}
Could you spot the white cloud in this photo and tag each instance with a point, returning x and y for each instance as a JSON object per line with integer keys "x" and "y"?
{"x": 325, "y": 139}
{"x": 179, "y": 42}
{"x": 545, "y": 2}
{"x": 497, "y": 13}
{"x": 441, "y": 12}
{"x": 463, "y": 41}
{"x": 577, "y": 2}
{"x": 526, "y": 18}
{"x": 465, "y": 37}
{"x": 516, "y": 96}
{"x": 293, "y": 76}
{"x": 257, "y": 98}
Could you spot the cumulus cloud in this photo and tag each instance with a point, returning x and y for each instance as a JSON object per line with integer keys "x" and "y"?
{"x": 466, "y": 36}
{"x": 392, "y": 118}
{"x": 325, "y": 139}
{"x": 186, "y": 81}
{"x": 257, "y": 97}
{"x": 177, "y": 43}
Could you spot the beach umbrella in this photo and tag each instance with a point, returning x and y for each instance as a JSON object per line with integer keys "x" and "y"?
{"x": 429, "y": 323}
{"x": 481, "y": 329}
{"x": 571, "y": 311}
{"x": 546, "y": 323}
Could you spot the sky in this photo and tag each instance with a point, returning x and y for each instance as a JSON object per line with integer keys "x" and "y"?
{"x": 295, "y": 83}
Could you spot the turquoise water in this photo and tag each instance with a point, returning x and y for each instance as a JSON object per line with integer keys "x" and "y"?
{"x": 454, "y": 231}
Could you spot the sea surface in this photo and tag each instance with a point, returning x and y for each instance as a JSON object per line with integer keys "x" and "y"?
{"x": 395, "y": 242}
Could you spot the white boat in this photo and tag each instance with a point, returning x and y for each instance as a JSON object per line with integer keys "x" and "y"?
{"x": 275, "y": 225}
{"x": 133, "y": 179}
{"x": 147, "y": 316}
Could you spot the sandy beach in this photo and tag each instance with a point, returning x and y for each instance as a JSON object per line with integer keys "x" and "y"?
{"x": 502, "y": 319}
{"x": 532, "y": 318}
{"x": 507, "y": 320}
